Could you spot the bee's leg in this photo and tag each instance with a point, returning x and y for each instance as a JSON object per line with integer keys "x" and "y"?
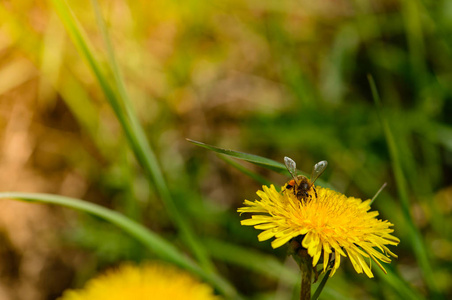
{"x": 315, "y": 192}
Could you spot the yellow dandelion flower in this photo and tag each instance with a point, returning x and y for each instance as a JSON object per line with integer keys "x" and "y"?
{"x": 151, "y": 281}
{"x": 327, "y": 223}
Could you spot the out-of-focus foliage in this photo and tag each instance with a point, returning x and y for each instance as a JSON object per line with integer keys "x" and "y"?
{"x": 272, "y": 78}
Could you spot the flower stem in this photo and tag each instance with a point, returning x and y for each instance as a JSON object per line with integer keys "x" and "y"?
{"x": 306, "y": 274}
{"x": 304, "y": 260}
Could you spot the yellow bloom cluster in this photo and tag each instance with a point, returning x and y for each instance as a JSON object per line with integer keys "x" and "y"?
{"x": 152, "y": 281}
{"x": 328, "y": 223}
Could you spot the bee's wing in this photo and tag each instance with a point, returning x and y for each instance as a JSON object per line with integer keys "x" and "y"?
{"x": 291, "y": 166}
{"x": 318, "y": 170}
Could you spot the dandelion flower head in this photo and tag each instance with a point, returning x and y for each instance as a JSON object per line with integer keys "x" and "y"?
{"x": 326, "y": 223}
{"x": 151, "y": 281}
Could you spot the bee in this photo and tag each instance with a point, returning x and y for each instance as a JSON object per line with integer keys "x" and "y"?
{"x": 301, "y": 185}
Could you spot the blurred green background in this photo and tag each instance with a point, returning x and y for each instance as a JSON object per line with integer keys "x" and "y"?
{"x": 272, "y": 78}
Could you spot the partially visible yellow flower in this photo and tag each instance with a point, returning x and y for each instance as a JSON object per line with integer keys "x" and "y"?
{"x": 152, "y": 281}
{"x": 330, "y": 222}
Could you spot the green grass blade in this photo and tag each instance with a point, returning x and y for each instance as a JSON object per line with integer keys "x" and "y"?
{"x": 377, "y": 193}
{"x": 85, "y": 50}
{"x": 245, "y": 171}
{"x": 257, "y": 160}
{"x": 415, "y": 236}
{"x": 399, "y": 285}
{"x": 134, "y": 132}
{"x": 252, "y": 260}
{"x": 152, "y": 241}
{"x": 322, "y": 284}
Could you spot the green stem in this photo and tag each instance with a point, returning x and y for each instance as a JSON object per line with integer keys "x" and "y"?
{"x": 306, "y": 275}
{"x": 304, "y": 260}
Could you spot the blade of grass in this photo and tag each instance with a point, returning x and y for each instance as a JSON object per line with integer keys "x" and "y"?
{"x": 245, "y": 171}
{"x": 377, "y": 193}
{"x": 321, "y": 285}
{"x": 152, "y": 241}
{"x": 141, "y": 144}
{"x": 134, "y": 132}
{"x": 257, "y": 160}
{"x": 402, "y": 189}
{"x": 51, "y": 58}
{"x": 85, "y": 49}
{"x": 399, "y": 285}
{"x": 412, "y": 14}
{"x": 72, "y": 92}
{"x": 251, "y": 259}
